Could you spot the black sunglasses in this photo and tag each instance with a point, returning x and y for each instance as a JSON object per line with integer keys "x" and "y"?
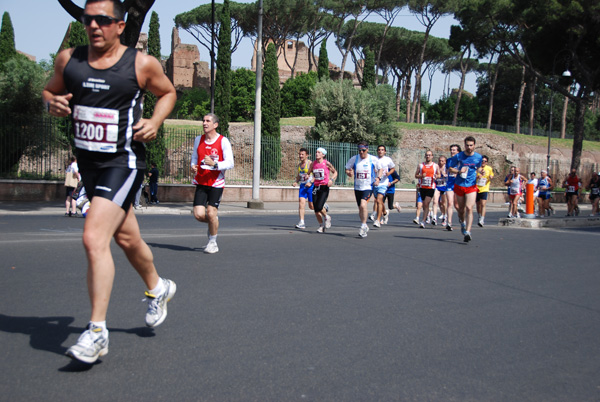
{"x": 101, "y": 20}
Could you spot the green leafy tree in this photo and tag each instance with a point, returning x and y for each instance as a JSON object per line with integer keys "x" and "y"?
{"x": 193, "y": 104}
{"x": 7, "y": 40}
{"x": 546, "y": 40}
{"x": 346, "y": 114}
{"x": 296, "y": 95}
{"x": 20, "y": 108}
{"x": 323, "y": 68}
{"x": 223, "y": 80}
{"x": 271, "y": 114}
{"x": 243, "y": 86}
{"x": 368, "y": 79}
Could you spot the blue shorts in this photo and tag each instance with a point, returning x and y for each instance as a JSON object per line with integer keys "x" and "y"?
{"x": 306, "y": 192}
{"x": 381, "y": 189}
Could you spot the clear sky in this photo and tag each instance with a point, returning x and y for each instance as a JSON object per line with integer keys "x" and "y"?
{"x": 40, "y": 26}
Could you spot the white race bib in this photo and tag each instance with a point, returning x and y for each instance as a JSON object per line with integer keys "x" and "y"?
{"x": 96, "y": 129}
{"x": 482, "y": 181}
{"x": 319, "y": 174}
{"x": 570, "y": 189}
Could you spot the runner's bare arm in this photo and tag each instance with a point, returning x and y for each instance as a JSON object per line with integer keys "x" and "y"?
{"x": 55, "y": 99}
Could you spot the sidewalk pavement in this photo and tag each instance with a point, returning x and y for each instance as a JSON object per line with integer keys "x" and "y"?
{"x": 232, "y": 208}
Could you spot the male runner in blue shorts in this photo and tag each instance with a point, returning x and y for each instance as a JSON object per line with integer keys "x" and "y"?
{"x": 102, "y": 86}
{"x": 304, "y": 193}
{"x": 465, "y": 188}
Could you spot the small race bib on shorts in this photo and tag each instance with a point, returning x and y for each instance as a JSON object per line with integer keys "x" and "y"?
{"x": 96, "y": 129}
{"x": 570, "y": 189}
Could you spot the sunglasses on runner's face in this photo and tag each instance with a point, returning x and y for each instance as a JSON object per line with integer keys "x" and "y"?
{"x": 101, "y": 20}
{"x": 362, "y": 149}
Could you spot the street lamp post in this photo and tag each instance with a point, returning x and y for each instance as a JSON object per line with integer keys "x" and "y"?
{"x": 565, "y": 73}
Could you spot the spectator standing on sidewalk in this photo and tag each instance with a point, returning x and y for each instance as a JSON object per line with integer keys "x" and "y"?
{"x": 72, "y": 178}
{"x": 153, "y": 181}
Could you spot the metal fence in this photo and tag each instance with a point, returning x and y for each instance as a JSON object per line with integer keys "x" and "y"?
{"x": 40, "y": 149}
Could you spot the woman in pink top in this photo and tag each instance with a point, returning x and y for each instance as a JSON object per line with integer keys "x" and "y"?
{"x": 323, "y": 176}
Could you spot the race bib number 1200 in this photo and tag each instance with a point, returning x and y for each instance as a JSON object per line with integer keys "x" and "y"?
{"x": 96, "y": 129}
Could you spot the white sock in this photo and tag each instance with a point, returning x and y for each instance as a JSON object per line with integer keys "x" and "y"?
{"x": 159, "y": 289}
{"x": 212, "y": 238}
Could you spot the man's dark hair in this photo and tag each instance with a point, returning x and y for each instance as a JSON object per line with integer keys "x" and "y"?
{"x": 382, "y": 146}
{"x": 118, "y": 9}
{"x": 470, "y": 139}
{"x": 303, "y": 149}
{"x": 485, "y": 157}
{"x": 457, "y": 147}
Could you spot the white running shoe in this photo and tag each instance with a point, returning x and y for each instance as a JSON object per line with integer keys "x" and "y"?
{"x": 326, "y": 206}
{"x": 328, "y": 222}
{"x": 480, "y": 222}
{"x": 442, "y": 217}
{"x": 376, "y": 224}
{"x": 444, "y": 222}
{"x": 362, "y": 232}
{"x": 416, "y": 221}
{"x": 422, "y": 225}
{"x": 211, "y": 247}
{"x": 428, "y": 220}
{"x": 157, "y": 305}
{"x": 300, "y": 225}
{"x": 91, "y": 345}
{"x": 372, "y": 216}
{"x": 397, "y": 206}
{"x": 385, "y": 218}
{"x": 467, "y": 237}
{"x": 321, "y": 229}
{"x": 434, "y": 221}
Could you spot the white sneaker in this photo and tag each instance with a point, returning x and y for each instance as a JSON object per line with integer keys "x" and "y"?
{"x": 362, "y": 232}
{"x": 300, "y": 225}
{"x": 416, "y": 221}
{"x": 397, "y": 206}
{"x": 422, "y": 225}
{"x": 480, "y": 222}
{"x": 328, "y": 222}
{"x": 321, "y": 229}
{"x": 157, "y": 305}
{"x": 442, "y": 217}
{"x": 434, "y": 221}
{"x": 326, "y": 206}
{"x": 377, "y": 224}
{"x": 92, "y": 344}
{"x": 385, "y": 218}
{"x": 372, "y": 216}
{"x": 428, "y": 220}
{"x": 211, "y": 248}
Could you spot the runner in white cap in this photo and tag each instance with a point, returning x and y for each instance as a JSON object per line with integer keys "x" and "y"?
{"x": 323, "y": 177}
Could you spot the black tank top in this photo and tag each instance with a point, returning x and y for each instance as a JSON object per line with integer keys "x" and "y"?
{"x": 105, "y": 106}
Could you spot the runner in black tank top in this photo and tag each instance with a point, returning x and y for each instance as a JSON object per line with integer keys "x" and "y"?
{"x": 106, "y": 104}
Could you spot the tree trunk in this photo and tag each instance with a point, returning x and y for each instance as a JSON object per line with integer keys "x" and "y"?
{"x": 407, "y": 89}
{"x": 580, "y": 110}
{"x": 563, "y": 121}
{"x": 492, "y": 86}
{"x": 520, "y": 103}
{"x": 532, "y": 105}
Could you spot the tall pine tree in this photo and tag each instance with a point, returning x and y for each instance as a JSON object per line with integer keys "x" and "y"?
{"x": 323, "y": 68}
{"x": 7, "y": 40}
{"x": 223, "y": 79}
{"x": 271, "y": 113}
{"x": 77, "y": 35}
{"x": 368, "y": 79}
{"x": 155, "y": 150}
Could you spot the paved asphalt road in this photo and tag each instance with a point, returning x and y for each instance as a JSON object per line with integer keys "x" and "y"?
{"x": 286, "y": 315}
